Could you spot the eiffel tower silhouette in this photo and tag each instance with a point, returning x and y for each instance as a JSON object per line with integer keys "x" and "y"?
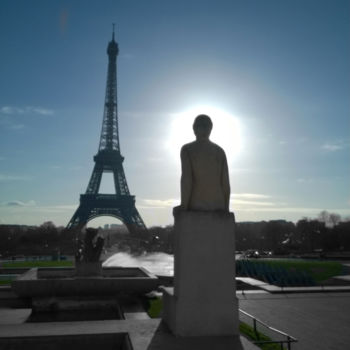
{"x": 109, "y": 159}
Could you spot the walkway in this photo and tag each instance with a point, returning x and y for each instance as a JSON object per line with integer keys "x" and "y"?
{"x": 320, "y": 321}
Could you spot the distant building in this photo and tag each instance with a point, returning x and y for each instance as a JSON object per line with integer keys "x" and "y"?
{"x": 115, "y": 226}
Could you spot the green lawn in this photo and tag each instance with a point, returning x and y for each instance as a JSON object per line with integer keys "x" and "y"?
{"x": 249, "y": 333}
{"x": 319, "y": 270}
{"x": 5, "y": 282}
{"x": 38, "y": 263}
{"x": 30, "y": 264}
{"x": 156, "y": 305}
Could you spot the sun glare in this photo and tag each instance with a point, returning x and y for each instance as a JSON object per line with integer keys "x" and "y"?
{"x": 226, "y": 130}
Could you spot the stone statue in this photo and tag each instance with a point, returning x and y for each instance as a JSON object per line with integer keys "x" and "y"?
{"x": 204, "y": 245}
{"x": 204, "y": 181}
{"x": 90, "y": 251}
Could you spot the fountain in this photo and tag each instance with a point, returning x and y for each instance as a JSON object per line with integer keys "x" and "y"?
{"x": 88, "y": 285}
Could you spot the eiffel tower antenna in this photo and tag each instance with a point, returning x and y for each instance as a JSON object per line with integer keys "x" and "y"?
{"x": 120, "y": 205}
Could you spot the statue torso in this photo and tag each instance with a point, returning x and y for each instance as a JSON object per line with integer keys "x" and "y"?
{"x": 207, "y": 164}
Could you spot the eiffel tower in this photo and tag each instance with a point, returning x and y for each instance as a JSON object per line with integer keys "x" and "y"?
{"x": 109, "y": 159}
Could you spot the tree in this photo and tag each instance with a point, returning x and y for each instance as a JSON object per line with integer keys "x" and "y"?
{"x": 329, "y": 219}
{"x": 310, "y": 233}
{"x": 334, "y": 219}
{"x": 323, "y": 216}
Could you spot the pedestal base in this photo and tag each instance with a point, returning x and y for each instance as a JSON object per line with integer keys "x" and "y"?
{"x": 203, "y": 301}
{"x": 88, "y": 269}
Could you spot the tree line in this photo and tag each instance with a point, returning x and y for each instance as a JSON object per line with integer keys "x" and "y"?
{"x": 326, "y": 233}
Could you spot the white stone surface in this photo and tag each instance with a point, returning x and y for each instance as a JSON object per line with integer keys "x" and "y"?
{"x": 203, "y": 301}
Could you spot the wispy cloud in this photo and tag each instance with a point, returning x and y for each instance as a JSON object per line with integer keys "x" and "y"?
{"x": 302, "y": 210}
{"x": 16, "y": 126}
{"x": 240, "y": 199}
{"x": 331, "y": 147}
{"x": 32, "y": 205}
{"x": 241, "y": 202}
{"x": 335, "y": 145}
{"x": 16, "y": 203}
{"x": 159, "y": 203}
{"x": 250, "y": 195}
{"x": 9, "y": 123}
{"x": 41, "y": 110}
{"x": 12, "y": 110}
{"x": 5, "y": 177}
{"x": 251, "y": 201}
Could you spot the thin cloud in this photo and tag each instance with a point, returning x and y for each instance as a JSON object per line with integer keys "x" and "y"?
{"x": 250, "y": 195}
{"x": 19, "y": 204}
{"x": 41, "y": 110}
{"x": 301, "y": 210}
{"x": 335, "y": 146}
{"x": 11, "y": 110}
{"x": 32, "y": 206}
{"x": 16, "y": 126}
{"x": 235, "y": 202}
{"x": 7, "y": 122}
{"x": 159, "y": 203}
{"x": 251, "y": 201}
{"x": 331, "y": 147}
{"x": 4, "y": 177}
{"x": 38, "y": 110}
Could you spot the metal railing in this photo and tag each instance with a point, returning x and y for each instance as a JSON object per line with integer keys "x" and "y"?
{"x": 260, "y": 328}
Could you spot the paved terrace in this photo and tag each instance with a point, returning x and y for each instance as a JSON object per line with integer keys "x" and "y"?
{"x": 320, "y": 321}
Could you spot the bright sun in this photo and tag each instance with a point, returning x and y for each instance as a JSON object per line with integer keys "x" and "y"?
{"x": 226, "y": 130}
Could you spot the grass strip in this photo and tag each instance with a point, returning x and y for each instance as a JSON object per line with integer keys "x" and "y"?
{"x": 38, "y": 263}
{"x": 5, "y": 282}
{"x": 319, "y": 270}
{"x": 155, "y": 307}
{"x": 249, "y": 333}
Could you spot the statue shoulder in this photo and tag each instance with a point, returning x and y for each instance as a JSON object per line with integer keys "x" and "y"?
{"x": 218, "y": 148}
{"x": 187, "y": 147}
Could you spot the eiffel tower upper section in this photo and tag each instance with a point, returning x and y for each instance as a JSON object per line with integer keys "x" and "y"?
{"x": 109, "y": 159}
{"x": 109, "y": 140}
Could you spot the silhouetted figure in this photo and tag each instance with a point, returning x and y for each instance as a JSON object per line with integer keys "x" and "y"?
{"x": 204, "y": 180}
{"x": 90, "y": 251}
{"x": 79, "y": 251}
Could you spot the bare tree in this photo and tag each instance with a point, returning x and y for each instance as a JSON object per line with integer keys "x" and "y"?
{"x": 323, "y": 216}
{"x": 334, "y": 219}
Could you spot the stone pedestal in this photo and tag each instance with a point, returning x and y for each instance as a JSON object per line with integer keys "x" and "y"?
{"x": 203, "y": 301}
{"x": 88, "y": 269}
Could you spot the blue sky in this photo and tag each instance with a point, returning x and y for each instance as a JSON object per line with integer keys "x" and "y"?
{"x": 274, "y": 76}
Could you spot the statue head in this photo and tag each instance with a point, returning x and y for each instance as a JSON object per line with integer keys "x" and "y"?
{"x": 202, "y": 127}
